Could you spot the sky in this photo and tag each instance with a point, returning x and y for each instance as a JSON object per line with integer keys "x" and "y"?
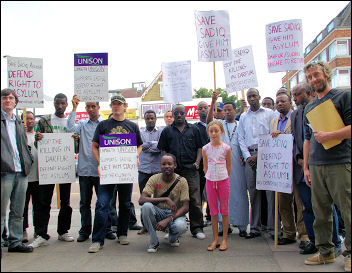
{"x": 139, "y": 36}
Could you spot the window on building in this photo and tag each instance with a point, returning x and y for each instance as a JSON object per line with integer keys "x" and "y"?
{"x": 293, "y": 82}
{"x": 340, "y": 78}
{"x": 332, "y": 51}
{"x": 301, "y": 76}
{"x": 341, "y": 48}
{"x": 323, "y": 56}
{"x": 161, "y": 90}
{"x": 320, "y": 37}
{"x": 307, "y": 49}
{"x": 331, "y": 26}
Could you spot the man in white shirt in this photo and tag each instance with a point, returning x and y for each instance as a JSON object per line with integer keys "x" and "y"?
{"x": 253, "y": 122}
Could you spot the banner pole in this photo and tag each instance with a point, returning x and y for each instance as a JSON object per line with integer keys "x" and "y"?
{"x": 58, "y": 196}
{"x": 215, "y": 86}
{"x": 276, "y": 218}
{"x": 288, "y": 84}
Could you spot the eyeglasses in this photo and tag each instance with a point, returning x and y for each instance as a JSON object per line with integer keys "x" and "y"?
{"x": 7, "y": 98}
{"x": 182, "y": 113}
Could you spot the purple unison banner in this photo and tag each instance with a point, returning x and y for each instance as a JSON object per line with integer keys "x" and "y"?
{"x": 91, "y": 76}
{"x": 118, "y": 159}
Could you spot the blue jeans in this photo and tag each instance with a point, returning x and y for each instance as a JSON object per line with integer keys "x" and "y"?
{"x": 102, "y": 210}
{"x": 152, "y": 215}
{"x": 13, "y": 190}
{"x": 308, "y": 215}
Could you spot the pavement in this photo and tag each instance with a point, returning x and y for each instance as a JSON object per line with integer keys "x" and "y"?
{"x": 253, "y": 255}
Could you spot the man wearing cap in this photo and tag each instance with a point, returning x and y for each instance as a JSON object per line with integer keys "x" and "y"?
{"x": 117, "y": 124}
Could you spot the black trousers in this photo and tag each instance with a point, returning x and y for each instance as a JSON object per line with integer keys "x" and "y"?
{"x": 65, "y": 213}
{"x": 32, "y": 191}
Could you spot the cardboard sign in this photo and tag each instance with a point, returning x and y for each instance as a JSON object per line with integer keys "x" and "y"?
{"x": 91, "y": 76}
{"x": 177, "y": 85}
{"x": 240, "y": 71}
{"x": 274, "y": 163}
{"x": 284, "y": 45}
{"x": 213, "y": 35}
{"x": 56, "y": 159}
{"x": 25, "y": 77}
{"x": 118, "y": 159}
{"x": 159, "y": 108}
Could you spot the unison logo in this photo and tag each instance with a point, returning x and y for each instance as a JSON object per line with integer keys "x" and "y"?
{"x": 81, "y": 59}
{"x": 116, "y": 141}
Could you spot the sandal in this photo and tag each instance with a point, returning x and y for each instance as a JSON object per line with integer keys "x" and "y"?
{"x": 223, "y": 248}
{"x": 213, "y": 246}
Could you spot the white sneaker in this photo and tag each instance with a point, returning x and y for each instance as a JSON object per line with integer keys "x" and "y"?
{"x": 166, "y": 236}
{"x": 123, "y": 240}
{"x": 40, "y": 241}
{"x": 175, "y": 244}
{"x": 200, "y": 235}
{"x": 153, "y": 249}
{"x": 95, "y": 247}
{"x": 66, "y": 237}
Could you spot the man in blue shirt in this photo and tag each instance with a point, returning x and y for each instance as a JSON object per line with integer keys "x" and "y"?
{"x": 87, "y": 166}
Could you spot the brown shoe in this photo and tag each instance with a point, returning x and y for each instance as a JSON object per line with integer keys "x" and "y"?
{"x": 320, "y": 259}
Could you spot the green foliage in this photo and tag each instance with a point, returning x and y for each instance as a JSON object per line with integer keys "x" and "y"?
{"x": 205, "y": 93}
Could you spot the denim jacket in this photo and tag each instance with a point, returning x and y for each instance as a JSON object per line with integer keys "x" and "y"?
{"x": 7, "y": 165}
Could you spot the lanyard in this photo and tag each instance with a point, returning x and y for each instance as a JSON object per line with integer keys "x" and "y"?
{"x": 228, "y": 132}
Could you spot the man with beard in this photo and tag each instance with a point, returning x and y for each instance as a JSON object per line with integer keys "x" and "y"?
{"x": 282, "y": 125}
{"x": 203, "y": 110}
{"x": 255, "y": 121}
{"x": 55, "y": 123}
{"x": 183, "y": 140}
{"x": 302, "y": 94}
{"x": 168, "y": 206}
{"x": 328, "y": 172}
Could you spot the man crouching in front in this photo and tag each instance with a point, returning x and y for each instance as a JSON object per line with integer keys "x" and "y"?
{"x": 168, "y": 206}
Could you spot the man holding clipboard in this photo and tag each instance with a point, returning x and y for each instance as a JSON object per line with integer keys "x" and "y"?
{"x": 327, "y": 168}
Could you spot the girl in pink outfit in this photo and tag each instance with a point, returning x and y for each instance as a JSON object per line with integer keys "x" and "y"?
{"x": 217, "y": 168}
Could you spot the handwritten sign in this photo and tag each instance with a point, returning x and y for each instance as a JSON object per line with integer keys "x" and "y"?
{"x": 159, "y": 108}
{"x": 118, "y": 159}
{"x": 25, "y": 77}
{"x": 177, "y": 84}
{"x": 284, "y": 45}
{"x": 274, "y": 163}
{"x": 91, "y": 76}
{"x": 213, "y": 35}
{"x": 240, "y": 71}
{"x": 56, "y": 159}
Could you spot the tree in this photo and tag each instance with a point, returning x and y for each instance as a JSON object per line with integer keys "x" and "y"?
{"x": 205, "y": 93}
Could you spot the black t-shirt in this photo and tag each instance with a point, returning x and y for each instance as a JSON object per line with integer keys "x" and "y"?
{"x": 340, "y": 153}
{"x": 112, "y": 126}
{"x": 183, "y": 146}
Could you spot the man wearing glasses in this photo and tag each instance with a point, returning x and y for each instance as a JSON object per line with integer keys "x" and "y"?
{"x": 183, "y": 140}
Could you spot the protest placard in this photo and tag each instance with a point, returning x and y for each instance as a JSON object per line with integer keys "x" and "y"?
{"x": 118, "y": 159}
{"x": 91, "y": 76}
{"x": 213, "y": 35}
{"x": 284, "y": 45}
{"x": 240, "y": 70}
{"x": 159, "y": 108}
{"x": 25, "y": 77}
{"x": 274, "y": 163}
{"x": 56, "y": 159}
{"x": 177, "y": 85}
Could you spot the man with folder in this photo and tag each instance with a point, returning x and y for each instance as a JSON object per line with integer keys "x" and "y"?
{"x": 327, "y": 168}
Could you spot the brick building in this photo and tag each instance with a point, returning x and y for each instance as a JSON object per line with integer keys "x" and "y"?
{"x": 332, "y": 45}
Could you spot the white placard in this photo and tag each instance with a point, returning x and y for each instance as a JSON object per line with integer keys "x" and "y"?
{"x": 213, "y": 35}
{"x": 274, "y": 163}
{"x": 118, "y": 165}
{"x": 91, "y": 77}
{"x": 177, "y": 85}
{"x": 284, "y": 45}
{"x": 240, "y": 71}
{"x": 25, "y": 76}
{"x": 56, "y": 159}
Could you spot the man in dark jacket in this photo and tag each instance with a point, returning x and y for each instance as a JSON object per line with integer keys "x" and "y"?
{"x": 16, "y": 161}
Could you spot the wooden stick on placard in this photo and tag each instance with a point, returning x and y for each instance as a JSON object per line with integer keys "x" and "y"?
{"x": 24, "y": 116}
{"x": 243, "y": 98}
{"x": 288, "y": 84}
{"x": 58, "y": 196}
{"x": 216, "y": 107}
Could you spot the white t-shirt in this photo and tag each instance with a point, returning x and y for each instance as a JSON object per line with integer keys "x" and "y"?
{"x": 59, "y": 125}
{"x": 33, "y": 173}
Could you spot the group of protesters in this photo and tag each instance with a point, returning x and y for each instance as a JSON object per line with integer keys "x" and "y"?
{"x": 183, "y": 165}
